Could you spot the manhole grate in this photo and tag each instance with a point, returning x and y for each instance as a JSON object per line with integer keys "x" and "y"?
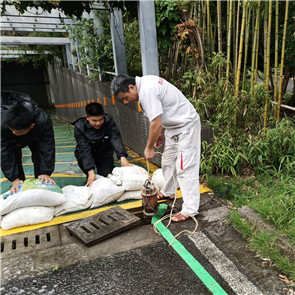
{"x": 103, "y": 225}
{"x": 31, "y": 240}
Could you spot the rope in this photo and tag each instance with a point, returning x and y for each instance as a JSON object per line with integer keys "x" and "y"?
{"x": 170, "y": 215}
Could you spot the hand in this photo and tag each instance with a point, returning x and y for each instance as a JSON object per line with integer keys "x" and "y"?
{"x": 46, "y": 179}
{"x": 159, "y": 142}
{"x": 15, "y": 186}
{"x": 149, "y": 153}
{"x": 91, "y": 178}
{"x": 124, "y": 162}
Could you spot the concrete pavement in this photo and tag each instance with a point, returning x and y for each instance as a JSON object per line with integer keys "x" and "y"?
{"x": 139, "y": 261}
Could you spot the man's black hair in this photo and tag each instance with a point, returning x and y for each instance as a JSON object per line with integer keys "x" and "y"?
{"x": 94, "y": 109}
{"x": 121, "y": 82}
{"x": 21, "y": 116}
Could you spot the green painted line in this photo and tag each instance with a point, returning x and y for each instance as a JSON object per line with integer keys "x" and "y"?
{"x": 198, "y": 269}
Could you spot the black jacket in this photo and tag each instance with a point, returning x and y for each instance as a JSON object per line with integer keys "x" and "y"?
{"x": 101, "y": 141}
{"x": 42, "y": 135}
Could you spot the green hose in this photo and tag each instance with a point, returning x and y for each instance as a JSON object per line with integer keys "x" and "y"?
{"x": 198, "y": 269}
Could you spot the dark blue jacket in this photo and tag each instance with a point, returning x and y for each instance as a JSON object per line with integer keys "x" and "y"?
{"x": 101, "y": 141}
{"x": 42, "y": 135}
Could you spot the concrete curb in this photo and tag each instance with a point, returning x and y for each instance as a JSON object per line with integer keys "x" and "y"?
{"x": 282, "y": 242}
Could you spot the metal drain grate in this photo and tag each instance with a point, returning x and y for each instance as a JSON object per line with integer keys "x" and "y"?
{"x": 103, "y": 225}
{"x": 29, "y": 241}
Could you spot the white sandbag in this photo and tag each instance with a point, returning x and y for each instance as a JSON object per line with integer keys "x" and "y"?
{"x": 133, "y": 182}
{"x": 130, "y": 195}
{"x": 29, "y": 198}
{"x": 158, "y": 179}
{"x": 116, "y": 179}
{"x": 127, "y": 170}
{"x": 77, "y": 198}
{"x": 104, "y": 192}
{"x": 27, "y": 216}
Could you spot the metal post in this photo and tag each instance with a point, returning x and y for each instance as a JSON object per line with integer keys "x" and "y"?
{"x": 74, "y": 58}
{"x": 98, "y": 30}
{"x": 118, "y": 42}
{"x": 78, "y": 54}
{"x": 148, "y": 37}
{"x": 69, "y": 56}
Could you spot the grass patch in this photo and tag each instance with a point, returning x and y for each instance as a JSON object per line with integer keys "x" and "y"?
{"x": 264, "y": 244}
{"x": 273, "y": 199}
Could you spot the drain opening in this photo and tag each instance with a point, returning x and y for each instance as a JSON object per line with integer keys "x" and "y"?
{"x": 121, "y": 215}
{"x": 26, "y": 242}
{"x": 13, "y": 245}
{"x": 2, "y": 247}
{"x": 111, "y": 217}
{"x": 48, "y": 237}
{"x": 86, "y": 229}
{"x": 94, "y": 225}
{"x": 37, "y": 238}
{"x": 104, "y": 222}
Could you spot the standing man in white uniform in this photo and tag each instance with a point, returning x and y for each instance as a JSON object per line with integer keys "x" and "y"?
{"x": 166, "y": 107}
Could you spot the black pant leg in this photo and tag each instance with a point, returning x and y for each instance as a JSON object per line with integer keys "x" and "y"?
{"x": 104, "y": 163}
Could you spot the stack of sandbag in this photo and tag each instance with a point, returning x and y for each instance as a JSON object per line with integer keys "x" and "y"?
{"x": 33, "y": 203}
{"x": 77, "y": 198}
{"x": 131, "y": 179}
{"x": 104, "y": 191}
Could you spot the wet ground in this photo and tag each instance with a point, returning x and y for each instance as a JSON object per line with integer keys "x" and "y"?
{"x": 138, "y": 261}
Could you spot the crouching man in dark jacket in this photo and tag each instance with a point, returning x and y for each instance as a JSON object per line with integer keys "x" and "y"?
{"x": 97, "y": 137}
{"x": 23, "y": 123}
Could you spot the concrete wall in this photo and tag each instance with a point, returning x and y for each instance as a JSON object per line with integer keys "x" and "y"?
{"x": 71, "y": 91}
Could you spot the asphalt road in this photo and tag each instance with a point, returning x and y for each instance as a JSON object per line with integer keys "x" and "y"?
{"x": 140, "y": 261}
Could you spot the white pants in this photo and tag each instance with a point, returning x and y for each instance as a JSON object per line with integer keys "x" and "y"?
{"x": 181, "y": 157}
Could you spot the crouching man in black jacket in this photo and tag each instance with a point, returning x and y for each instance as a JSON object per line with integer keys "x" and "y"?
{"x": 97, "y": 137}
{"x": 23, "y": 123}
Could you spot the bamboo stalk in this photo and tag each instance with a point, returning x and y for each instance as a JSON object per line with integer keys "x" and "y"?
{"x": 284, "y": 106}
{"x": 204, "y": 21}
{"x": 175, "y": 64}
{"x": 268, "y": 45}
{"x": 237, "y": 38}
{"x": 229, "y": 38}
{"x": 256, "y": 53}
{"x": 234, "y": 37}
{"x": 213, "y": 35}
{"x": 227, "y": 14}
{"x": 208, "y": 25}
{"x": 282, "y": 60}
{"x": 267, "y": 65}
{"x": 219, "y": 26}
{"x": 240, "y": 60}
{"x": 254, "y": 47}
{"x": 248, "y": 18}
{"x": 219, "y": 33}
{"x": 265, "y": 39}
{"x": 276, "y": 53}
{"x": 199, "y": 15}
